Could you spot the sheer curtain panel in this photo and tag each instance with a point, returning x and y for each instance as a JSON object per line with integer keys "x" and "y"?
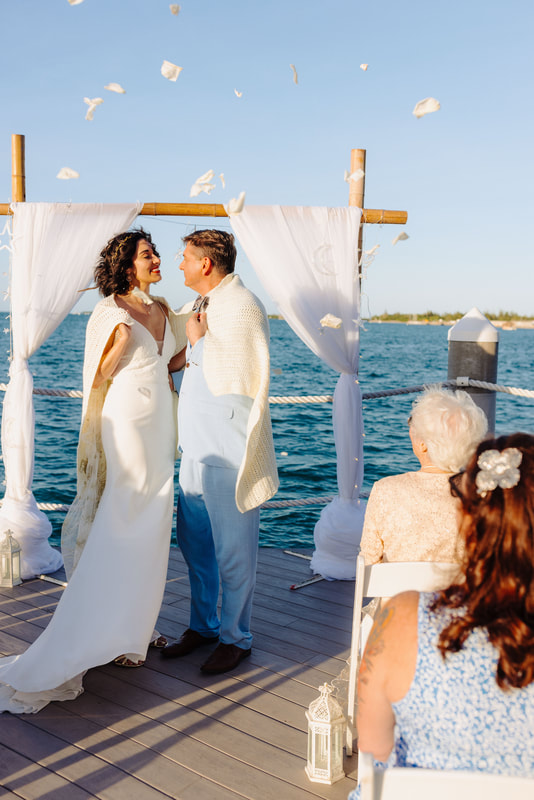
{"x": 307, "y": 260}
{"x": 55, "y": 247}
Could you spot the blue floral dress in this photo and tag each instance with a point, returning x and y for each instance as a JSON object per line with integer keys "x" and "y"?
{"x": 454, "y": 715}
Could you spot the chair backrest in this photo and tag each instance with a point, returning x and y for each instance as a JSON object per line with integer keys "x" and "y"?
{"x": 426, "y": 784}
{"x": 386, "y": 580}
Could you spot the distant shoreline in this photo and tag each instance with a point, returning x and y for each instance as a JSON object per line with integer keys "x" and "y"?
{"x": 508, "y": 323}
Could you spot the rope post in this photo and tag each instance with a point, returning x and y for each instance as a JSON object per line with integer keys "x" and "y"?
{"x": 18, "y": 171}
{"x": 473, "y": 353}
{"x": 357, "y": 194}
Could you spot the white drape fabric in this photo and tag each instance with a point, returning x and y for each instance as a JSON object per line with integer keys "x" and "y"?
{"x": 306, "y": 258}
{"x": 55, "y": 248}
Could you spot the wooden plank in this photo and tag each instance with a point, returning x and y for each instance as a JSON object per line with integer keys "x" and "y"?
{"x": 22, "y": 777}
{"x": 101, "y": 777}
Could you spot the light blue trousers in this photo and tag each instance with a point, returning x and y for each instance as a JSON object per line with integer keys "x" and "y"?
{"x": 216, "y": 539}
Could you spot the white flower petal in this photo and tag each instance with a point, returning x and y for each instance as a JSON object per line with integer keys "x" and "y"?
{"x": 235, "y": 205}
{"x": 195, "y": 190}
{"x": 92, "y": 103}
{"x": 372, "y": 251}
{"x": 175, "y": 9}
{"x": 115, "y": 87}
{"x": 238, "y": 94}
{"x": 400, "y": 238}
{"x": 170, "y": 70}
{"x": 331, "y": 321}
{"x": 426, "y": 106}
{"x": 357, "y": 175}
{"x": 223, "y": 182}
{"x": 208, "y": 187}
{"x": 75, "y": 2}
{"x": 364, "y": 67}
{"x": 66, "y": 173}
{"x": 295, "y": 76}
{"x": 206, "y": 178}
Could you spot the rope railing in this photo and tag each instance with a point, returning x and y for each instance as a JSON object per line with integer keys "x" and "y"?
{"x": 328, "y": 398}
{"x": 308, "y": 399}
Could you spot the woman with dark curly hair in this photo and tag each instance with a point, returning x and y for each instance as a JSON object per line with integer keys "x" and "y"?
{"x": 454, "y": 672}
{"x": 116, "y": 535}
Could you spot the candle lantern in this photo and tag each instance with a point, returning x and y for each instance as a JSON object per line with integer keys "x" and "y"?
{"x": 9, "y": 561}
{"x": 326, "y": 726}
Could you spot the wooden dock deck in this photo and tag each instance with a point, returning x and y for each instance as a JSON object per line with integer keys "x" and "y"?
{"x": 166, "y": 730}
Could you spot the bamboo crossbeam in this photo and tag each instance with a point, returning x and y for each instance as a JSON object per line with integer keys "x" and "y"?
{"x": 369, "y": 215}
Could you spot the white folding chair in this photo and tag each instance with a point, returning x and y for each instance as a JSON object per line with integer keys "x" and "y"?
{"x": 385, "y": 580}
{"x": 404, "y": 783}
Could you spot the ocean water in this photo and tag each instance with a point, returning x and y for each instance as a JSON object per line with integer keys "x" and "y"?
{"x": 392, "y": 356}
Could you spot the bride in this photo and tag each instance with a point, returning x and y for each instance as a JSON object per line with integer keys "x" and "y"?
{"x": 115, "y": 538}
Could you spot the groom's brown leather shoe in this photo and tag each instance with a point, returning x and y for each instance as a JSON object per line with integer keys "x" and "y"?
{"x": 189, "y": 641}
{"x": 224, "y": 658}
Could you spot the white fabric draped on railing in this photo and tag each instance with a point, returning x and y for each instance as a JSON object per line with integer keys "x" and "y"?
{"x": 55, "y": 248}
{"x": 307, "y": 260}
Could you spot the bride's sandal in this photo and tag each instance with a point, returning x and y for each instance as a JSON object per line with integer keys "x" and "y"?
{"x": 123, "y": 661}
{"x": 159, "y": 643}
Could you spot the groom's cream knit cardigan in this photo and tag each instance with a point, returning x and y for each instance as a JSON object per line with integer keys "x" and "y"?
{"x": 236, "y": 361}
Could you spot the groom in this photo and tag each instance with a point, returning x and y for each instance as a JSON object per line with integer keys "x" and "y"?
{"x": 228, "y": 466}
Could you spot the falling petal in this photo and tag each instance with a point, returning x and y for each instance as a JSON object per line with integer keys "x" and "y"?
{"x": 238, "y": 94}
{"x": 372, "y": 251}
{"x": 357, "y": 175}
{"x": 400, "y": 238}
{"x": 206, "y": 178}
{"x": 283, "y": 453}
{"x": 277, "y": 371}
{"x": 207, "y": 187}
{"x": 195, "y": 190}
{"x": 346, "y": 176}
{"x": 331, "y": 321}
{"x": 92, "y": 103}
{"x": 115, "y": 87}
{"x": 75, "y": 2}
{"x": 175, "y": 9}
{"x": 223, "y": 182}
{"x": 235, "y": 205}
{"x": 364, "y": 67}
{"x": 170, "y": 70}
{"x": 426, "y": 106}
{"x": 295, "y": 76}
{"x": 66, "y": 173}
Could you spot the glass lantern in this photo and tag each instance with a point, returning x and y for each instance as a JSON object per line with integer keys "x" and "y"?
{"x": 326, "y": 726}
{"x": 9, "y": 561}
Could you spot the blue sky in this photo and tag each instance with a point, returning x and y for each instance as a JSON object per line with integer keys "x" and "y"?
{"x": 464, "y": 173}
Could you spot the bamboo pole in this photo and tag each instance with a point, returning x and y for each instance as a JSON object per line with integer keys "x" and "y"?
{"x": 369, "y": 215}
{"x": 18, "y": 172}
{"x": 356, "y": 196}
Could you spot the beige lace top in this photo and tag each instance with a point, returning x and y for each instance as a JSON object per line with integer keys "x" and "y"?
{"x": 411, "y": 517}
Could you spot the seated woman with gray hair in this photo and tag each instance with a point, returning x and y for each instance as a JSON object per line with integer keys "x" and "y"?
{"x": 412, "y": 516}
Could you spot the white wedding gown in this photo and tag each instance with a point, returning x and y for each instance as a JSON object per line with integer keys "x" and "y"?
{"x": 112, "y": 601}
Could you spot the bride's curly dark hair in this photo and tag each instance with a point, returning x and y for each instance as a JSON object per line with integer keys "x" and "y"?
{"x": 111, "y": 271}
{"x": 498, "y": 593}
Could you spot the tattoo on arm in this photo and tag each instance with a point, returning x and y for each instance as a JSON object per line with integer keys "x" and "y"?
{"x": 375, "y": 642}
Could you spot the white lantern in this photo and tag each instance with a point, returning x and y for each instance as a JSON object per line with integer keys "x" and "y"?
{"x": 326, "y": 726}
{"x": 9, "y": 561}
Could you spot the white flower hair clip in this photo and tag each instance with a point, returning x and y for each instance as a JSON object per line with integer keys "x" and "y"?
{"x": 498, "y": 468}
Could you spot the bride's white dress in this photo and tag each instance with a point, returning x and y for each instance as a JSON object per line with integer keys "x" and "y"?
{"x": 112, "y": 601}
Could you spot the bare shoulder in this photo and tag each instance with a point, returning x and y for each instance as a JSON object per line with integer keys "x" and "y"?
{"x": 393, "y": 642}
